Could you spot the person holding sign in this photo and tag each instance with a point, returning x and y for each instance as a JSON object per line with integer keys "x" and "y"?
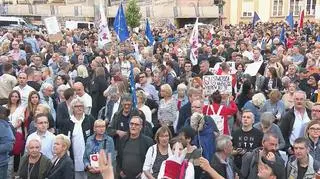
{"x": 219, "y": 113}
{"x": 99, "y": 140}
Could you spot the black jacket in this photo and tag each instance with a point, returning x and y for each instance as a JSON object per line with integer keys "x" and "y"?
{"x": 62, "y": 116}
{"x": 286, "y": 125}
{"x": 87, "y": 130}
{"x": 97, "y": 87}
{"x": 184, "y": 114}
{"x": 64, "y": 169}
{"x": 221, "y": 168}
{"x": 276, "y": 84}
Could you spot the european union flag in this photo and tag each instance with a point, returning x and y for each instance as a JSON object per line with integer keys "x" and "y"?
{"x": 282, "y": 36}
{"x": 149, "y": 34}
{"x": 255, "y": 19}
{"x": 120, "y": 25}
{"x": 290, "y": 21}
{"x": 133, "y": 87}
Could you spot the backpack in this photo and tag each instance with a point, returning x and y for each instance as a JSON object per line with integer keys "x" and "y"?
{"x": 217, "y": 118}
{"x": 176, "y": 81}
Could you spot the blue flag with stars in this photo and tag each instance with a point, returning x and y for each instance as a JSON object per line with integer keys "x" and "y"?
{"x": 120, "y": 25}
{"x": 290, "y": 21}
{"x": 149, "y": 33}
{"x": 133, "y": 87}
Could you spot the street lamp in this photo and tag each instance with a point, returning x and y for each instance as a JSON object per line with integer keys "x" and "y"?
{"x": 220, "y": 4}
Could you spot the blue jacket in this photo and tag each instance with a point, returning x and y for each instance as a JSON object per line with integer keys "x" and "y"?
{"x": 93, "y": 146}
{"x": 206, "y": 138}
{"x": 6, "y": 142}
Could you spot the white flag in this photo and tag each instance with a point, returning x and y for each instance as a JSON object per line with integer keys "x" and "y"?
{"x": 194, "y": 42}
{"x": 104, "y": 33}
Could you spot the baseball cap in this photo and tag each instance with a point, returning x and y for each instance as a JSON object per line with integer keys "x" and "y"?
{"x": 277, "y": 168}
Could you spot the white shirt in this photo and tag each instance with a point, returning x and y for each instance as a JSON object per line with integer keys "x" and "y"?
{"x": 24, "y": 93}
{"x": 78, "y": 144}
{"x": 87, "y": 103}
{"x": 298, "y": 126}
{"x": 17, "y": 115}
{"x": 115, "y": 109}
{"x": 47, "y": 141}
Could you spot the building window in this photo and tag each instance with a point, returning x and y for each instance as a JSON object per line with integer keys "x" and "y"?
{"x": 277, "y": 8}
{"x": 310, "y": 7}
{"x": 247, "y": 8}
{"x": 296, "y": 6}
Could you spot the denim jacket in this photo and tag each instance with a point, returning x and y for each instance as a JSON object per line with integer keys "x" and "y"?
{"x": 93, "y": 146}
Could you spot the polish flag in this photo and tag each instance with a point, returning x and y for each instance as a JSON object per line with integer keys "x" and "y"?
{"x": 300, "y": 25}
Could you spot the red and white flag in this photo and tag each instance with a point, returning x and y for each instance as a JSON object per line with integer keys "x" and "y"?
{"x": 194, "y": 42}
{"x": 300, "y": 25}
{"x": 104, "y": 33}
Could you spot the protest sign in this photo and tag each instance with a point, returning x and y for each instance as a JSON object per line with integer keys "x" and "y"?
{"x": 212, "y": 83}
{"x": 253, "y": 68}
{"x": 53, "y": 29}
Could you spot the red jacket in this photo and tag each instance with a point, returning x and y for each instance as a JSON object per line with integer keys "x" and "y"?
{"x": 225, "y": 112}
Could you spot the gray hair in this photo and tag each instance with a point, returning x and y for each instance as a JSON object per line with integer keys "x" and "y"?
{"x": 62, "y": 87}
{"x": 126, "y": 97}
{"x": 268, "y": 135}
{"x": 46, "y": 85}
{"x": 267, "y": 118}
{"x": 74, "y": 102}
{"x": 222, "y": 141}
{"x": 182, "y": 86}
{"x": 36, "y": 138}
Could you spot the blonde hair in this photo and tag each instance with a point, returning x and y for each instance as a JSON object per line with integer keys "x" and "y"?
{"x": 45, "y": 107}
{"x": 65, "y": 140}
{"x": 99, "y": 121}
{"x": 82, "y": 71}
{"x": 73, "y": 103}
{"x": 167, "y": 89}
{"x": 258, "y": 99}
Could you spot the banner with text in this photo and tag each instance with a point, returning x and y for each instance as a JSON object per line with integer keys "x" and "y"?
{"x": 212, "y": 83}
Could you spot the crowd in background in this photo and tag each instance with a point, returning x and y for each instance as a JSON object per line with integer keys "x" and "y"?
{"x": 64, "y": 101}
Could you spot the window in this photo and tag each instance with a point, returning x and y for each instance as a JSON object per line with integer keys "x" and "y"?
{"x": 247, "y": 8}
{"x": 296, "y": 6}
{"x": 311, "y": 6}
{"x": 277, "y": 8}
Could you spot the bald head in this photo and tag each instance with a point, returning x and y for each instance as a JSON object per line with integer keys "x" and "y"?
{"x": 79, "y": 88}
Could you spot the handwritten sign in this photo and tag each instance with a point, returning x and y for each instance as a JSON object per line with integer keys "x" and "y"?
{"x": 53, "y": 29}
{"x": 212, "y": 83}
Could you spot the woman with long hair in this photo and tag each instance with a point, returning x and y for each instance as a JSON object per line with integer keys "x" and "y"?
{"x": 272, "y": 81}
{"x": 30, "y": 110}
{"x": 16, "y": 118}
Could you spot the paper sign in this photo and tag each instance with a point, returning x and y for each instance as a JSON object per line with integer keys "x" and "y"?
{"x": 317, "y": 12}
{"x": 52, "y": 25}
{"x": 253, "y": 68}
{"x": 212, "y": 83}
{"x": 94, "y": 160}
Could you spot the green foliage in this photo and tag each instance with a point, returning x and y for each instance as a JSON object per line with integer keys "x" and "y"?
{"x": 133, "y": 14}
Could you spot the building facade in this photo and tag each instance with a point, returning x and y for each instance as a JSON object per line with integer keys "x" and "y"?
{"x": 237, "y": 11}
{"x": 160, "y": 11}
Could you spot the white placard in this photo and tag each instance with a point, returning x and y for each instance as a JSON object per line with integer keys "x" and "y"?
{"x": 212, "y": 83}
{"x": 253, "y": 68}
{"x": 317, "y": 13}
{"x": 52, "y": 25}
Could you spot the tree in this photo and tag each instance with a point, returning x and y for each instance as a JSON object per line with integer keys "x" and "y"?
{"x": 133, "y": 14}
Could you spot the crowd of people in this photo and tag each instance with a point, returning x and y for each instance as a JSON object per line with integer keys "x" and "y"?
{"x": 129, "y": 110}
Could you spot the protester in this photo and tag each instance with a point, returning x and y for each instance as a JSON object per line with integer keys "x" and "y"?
{"x": 6, "y": 142}
{"x": 312, "y": 134}
{"x": 34, "y": 164}
{"x": 157, "y": 153}
{"x": 315, "y": 112}
{"x": 301, "y": 164}
{"x": 62, "y": 167}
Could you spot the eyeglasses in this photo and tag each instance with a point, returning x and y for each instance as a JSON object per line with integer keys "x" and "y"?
{"x": 314, "y": 129}
{"x": 44, "y": 122}
{"x": 134, "y": 124}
